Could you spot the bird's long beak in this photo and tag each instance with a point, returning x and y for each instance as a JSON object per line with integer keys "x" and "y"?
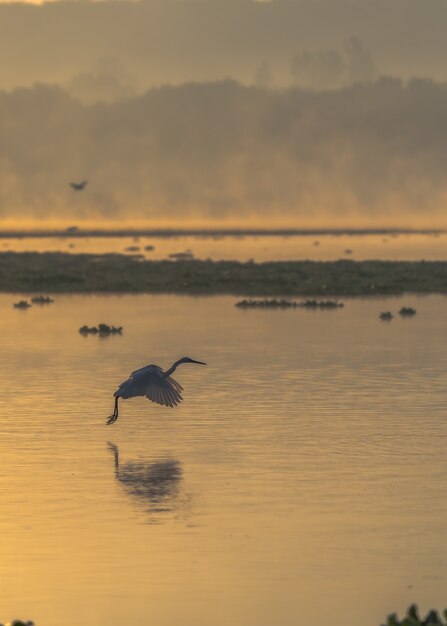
{"x": 199, "y": 362}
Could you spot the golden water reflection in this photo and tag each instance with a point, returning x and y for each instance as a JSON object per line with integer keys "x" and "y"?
{"x": 155, "y": 484}
{"x": 301, "y": 481}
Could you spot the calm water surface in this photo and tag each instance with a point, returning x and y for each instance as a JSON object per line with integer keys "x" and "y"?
{"x": 302, "y": 480}
{"x": 397, "y": 247}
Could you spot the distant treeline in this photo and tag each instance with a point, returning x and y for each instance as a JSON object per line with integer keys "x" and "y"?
{"x": 224, "y": 153}
{"x": 52, "y": 272}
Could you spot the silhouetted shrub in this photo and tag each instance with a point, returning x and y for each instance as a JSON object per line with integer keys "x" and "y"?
{"x": 386, "y": 316}
{"x": 101, "y": 329}
{"x": 407, "y": 311}
{"x": 412, "y": 618}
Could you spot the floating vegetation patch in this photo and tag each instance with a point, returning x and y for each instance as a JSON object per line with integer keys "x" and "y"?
{"x": 132, "y": 249}
{"x": 289, "y": 304}
{"x": 42, "y": 300}
{"x": 407, "y": 311}
{"x": 321, "y": 304}
{"x": 386, "y": 316}
{"x": 412, "y": 618}
{"x": 149, "y": 248}
{"x": 266, "y": 304}
{"x": 22, "y": 304}
{"x": 19, "y": 622}
{"x": 101, "y": 329}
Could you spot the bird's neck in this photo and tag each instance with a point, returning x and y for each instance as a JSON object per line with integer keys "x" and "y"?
{"x": 173, "y": 367}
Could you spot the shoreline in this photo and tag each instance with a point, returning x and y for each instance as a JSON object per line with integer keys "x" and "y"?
{"x": 58, "y": 272}
{"x": 75, "y": 232}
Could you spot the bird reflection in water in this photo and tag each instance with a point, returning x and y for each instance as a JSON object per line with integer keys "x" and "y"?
{"x": 156, "y": 484}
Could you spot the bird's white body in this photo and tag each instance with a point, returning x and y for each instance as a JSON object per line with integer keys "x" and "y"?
{"x": 153, "y": 383}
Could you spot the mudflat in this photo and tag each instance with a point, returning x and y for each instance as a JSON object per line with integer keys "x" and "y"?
{"x": 56, "y": 272}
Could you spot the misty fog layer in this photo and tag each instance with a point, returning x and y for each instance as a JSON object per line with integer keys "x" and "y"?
{"x": 109, "y": 49}
{"x": 372, "y": 153}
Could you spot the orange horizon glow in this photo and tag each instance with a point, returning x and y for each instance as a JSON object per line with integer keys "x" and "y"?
{"x": 255, "y": 223}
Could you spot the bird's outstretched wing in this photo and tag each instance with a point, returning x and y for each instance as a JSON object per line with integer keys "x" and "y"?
{"x": 151, "y": 383}
{"x": 165, "y": 391}
{"x": 78, "y": 186}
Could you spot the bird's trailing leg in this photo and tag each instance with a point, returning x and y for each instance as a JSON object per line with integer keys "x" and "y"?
{"x": 116, "y": 455}
{"x": 114, "y": 416}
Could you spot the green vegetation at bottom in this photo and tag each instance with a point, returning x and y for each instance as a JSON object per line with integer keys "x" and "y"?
{"x": 53, "y": 272}
{"x": 412, "y": 618}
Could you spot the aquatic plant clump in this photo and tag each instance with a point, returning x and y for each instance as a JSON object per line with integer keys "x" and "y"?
{"x": 101, "y": 329}
{"x": 412, "y": 618}
{"x": 386, "y": 316}
{"x": 42, "y": 300}
{"x": 321, "y": 304}
{"x": 407, "y": 311}
{"x": 266, "y": 304}
{"x": 22, "y": 304}
{"x": 289, "y": 304}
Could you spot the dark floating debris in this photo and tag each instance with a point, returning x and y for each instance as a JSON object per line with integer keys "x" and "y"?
{"x": 407, "y": 311}
{"x": 19, "y": 622}
{"x": 149, "y": 248}
{"x": 349, "y": 251}
{"x": 412, "y": 618}
{"x": 22, "y": 304}
{"x": 289, "y": 304}
{"x": 42, "y": 300}
{"x": 132, "y": 249}
{"x": 101, "y": 329}
{"x": 386, "y": 316}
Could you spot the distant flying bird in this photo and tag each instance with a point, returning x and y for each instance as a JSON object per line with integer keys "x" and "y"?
{"x": 79, "y": 186}
{"x": 151, "y": 381}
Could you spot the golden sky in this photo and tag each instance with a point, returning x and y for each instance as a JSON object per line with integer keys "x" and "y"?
{"x": 292, "y": 119}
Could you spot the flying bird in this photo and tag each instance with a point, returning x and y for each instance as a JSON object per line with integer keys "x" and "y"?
{"x": 151, "y": 381}
{"x": 79, "y": 186}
